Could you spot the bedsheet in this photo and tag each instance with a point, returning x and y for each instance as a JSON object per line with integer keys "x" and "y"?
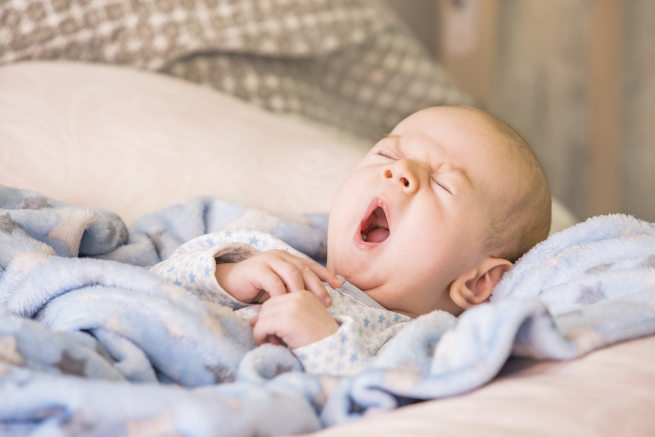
{"x": 92, "y": 343}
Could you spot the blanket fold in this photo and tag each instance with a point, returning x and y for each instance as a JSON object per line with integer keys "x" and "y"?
{"x": 91, "y": 342}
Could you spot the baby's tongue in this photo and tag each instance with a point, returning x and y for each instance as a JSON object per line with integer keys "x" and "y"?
{"x": 377, "y": 235}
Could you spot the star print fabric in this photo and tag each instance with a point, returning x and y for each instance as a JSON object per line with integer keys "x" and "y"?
{"x": 364, "y": 325}
{"x": 93, "y": 324}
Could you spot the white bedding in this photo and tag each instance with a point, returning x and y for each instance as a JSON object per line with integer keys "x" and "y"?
{"x": 65, "y": 116}
{"x": 135, "y": 142}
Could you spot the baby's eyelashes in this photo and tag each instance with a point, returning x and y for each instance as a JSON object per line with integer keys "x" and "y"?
{"x": 386, "y": 154}
{"x": 443, "y": 184}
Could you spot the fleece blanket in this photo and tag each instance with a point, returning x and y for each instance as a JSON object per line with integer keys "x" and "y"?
{"x": 91, "y": 343}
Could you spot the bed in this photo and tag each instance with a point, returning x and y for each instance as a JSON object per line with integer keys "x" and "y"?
{"x": 170, "y": 149}
{"x": 133, "y": 143}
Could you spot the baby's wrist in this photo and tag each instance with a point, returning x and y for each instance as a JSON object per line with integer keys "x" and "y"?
{"x": 221, "y": 273}
{"x": 319, "y": 333}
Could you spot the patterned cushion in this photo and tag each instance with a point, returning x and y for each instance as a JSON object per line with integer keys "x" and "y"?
{"x": 350, "y": 63}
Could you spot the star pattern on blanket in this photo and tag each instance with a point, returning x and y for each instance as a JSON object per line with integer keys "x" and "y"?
{"x": 78, "y": 424}
{"x": 586, "y": 338}
{"x": 70, "y": 365}
{"x": 159, "y": 424}
{"x": 69, "y": 229}
{"x": 591, "y": 294}
{"x": 9, "y": 352}
{"x": 7, "y": 224}
{"x": 111, "y": 231}
{"x": 221, "y": 373}
{"x": 38, "y": 202}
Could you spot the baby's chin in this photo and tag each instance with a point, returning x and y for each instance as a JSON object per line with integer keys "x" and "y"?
{"x": 349, "y": 277}
{"x": 367, "y": 285}
{"x": 357, "y": 270}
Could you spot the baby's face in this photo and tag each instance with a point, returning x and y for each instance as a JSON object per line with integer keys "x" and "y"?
{"x": 414, "y": 213}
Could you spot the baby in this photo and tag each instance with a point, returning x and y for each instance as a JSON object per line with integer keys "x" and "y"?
{"x": 430, "y": 219}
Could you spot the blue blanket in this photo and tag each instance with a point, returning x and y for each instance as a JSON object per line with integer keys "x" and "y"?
{"x": 91, "y": 343}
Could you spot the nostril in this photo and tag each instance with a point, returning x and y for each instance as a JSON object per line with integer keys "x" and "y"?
{"x": 387, "y": 174}
{"x": 405, "y": 182}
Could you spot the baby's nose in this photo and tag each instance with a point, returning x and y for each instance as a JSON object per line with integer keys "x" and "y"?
{"x": 402, "y": 172}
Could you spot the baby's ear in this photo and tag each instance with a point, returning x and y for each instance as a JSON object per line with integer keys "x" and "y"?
{"x": 475, "y": 286}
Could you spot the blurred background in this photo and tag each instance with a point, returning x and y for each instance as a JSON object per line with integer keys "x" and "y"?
{"x": 575, "y": 77}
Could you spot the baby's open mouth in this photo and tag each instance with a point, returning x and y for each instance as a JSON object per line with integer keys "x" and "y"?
{"x": 375, "y": 229}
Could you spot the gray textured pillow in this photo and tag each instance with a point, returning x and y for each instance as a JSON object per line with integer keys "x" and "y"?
{"x": 349, "y": 63}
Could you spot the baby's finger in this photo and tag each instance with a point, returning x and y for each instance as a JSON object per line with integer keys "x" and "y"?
{"x": 288, "y": 272}
{"x": 296, "y": 282}
{"x": 315, "y": 286}
{"x": 271, "y": 282}
{"x": 262, "y": 331}
{"x": 324, "y": 274}
{"x": 273, "y": 339}
{"x": 298, "y": 275}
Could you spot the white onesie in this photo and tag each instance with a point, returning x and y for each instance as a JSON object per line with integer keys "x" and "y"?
{"x": 364, "y": 325}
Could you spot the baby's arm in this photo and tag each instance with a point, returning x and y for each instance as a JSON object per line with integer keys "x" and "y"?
{"x": 193, "y": 266}
{"x": 274, "y": 273}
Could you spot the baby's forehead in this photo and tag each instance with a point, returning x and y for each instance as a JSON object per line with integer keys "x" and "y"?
{"x": 496, "y": 151}
{"x": 456, "y": 120}
{"x": 462, "y": 113}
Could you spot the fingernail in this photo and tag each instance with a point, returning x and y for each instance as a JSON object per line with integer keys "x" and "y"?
{"x": 328, "y": 301}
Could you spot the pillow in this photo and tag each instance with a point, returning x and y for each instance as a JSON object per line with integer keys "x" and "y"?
{"x": 134, "y": 142}
{"x": 347, "y": 63}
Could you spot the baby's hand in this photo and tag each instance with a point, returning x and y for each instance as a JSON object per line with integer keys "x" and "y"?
{"x": 297, "y": 319}
{"x": 274, "y": 273}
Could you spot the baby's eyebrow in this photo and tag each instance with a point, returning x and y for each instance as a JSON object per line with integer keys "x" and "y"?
{"x": 394, "y": 138}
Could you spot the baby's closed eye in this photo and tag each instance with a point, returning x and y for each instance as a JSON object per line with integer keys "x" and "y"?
{"x": 386, "y": 154}
{"x": 442, "y": 183}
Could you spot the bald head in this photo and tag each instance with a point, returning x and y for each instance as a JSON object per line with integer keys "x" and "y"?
{"x": 522, "y": 220}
